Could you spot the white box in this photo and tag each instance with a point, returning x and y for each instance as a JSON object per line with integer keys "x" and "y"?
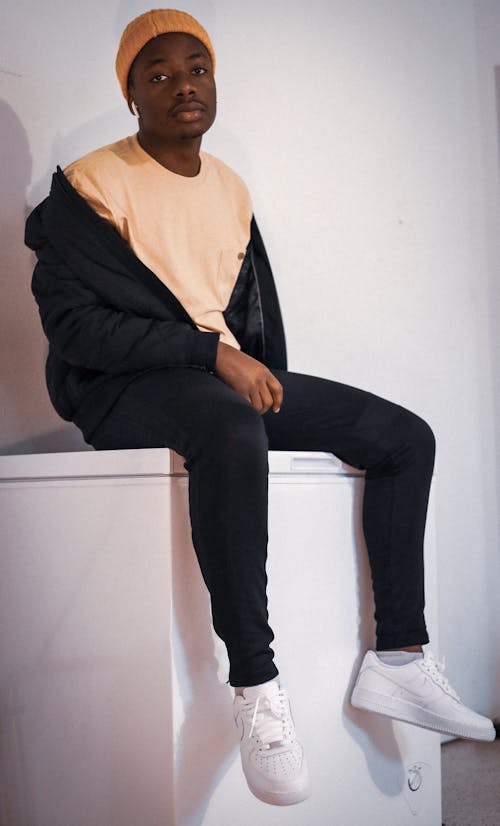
{"x": 113, "y": 702}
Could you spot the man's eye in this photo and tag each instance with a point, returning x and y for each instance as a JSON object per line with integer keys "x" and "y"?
{"x": 158, "y": 78}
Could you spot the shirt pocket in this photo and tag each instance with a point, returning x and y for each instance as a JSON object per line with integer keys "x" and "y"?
{"x": 230, "y": 262}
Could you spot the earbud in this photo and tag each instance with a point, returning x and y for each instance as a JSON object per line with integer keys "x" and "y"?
{"x": 134, "y": 108}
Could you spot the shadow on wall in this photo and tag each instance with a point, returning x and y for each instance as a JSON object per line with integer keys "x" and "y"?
{"x": 24, "y": 401}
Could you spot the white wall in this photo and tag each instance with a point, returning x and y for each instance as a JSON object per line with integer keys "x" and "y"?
{"x": 357, "y": 125}
{"x": 488, "y": 60}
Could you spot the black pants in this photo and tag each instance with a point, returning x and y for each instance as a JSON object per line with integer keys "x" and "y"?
{"x": 225, "y": 443}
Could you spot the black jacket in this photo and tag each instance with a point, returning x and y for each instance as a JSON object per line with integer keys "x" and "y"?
{"x": 108, "y": 318}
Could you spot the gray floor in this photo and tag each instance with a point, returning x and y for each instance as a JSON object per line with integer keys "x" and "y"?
{"x": 471, "y": 783}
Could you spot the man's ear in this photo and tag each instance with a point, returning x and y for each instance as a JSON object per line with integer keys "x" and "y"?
{"x": 130, "y": 98}
{"x": 131, "y": 102}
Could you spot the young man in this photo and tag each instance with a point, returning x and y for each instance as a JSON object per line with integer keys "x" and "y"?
{"x": 158, "y": 301}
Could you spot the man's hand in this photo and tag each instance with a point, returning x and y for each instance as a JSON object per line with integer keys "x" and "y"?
{"x": 248, "y": 377}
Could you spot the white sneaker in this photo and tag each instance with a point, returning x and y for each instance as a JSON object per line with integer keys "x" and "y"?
{"x": 418, "y": 693}
{"x": 273, "y": 761}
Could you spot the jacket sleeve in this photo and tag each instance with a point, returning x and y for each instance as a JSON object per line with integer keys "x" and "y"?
{"x": 86, "y": 333}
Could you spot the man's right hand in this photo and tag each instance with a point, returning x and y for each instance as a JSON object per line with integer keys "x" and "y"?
{"x": 249, "y": 377}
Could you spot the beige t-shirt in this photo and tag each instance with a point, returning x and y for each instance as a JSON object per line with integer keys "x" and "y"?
{"x": 191, "y": 232}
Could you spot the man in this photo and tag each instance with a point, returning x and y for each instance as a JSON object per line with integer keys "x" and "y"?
{"x": 164, "y": 327}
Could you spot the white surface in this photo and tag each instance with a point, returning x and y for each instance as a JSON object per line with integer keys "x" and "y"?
{"x": 146, "y": 462}
{"x": 358, "y": 134}
{"x": 85, "y": 677}
{"x": 112, "y": 681}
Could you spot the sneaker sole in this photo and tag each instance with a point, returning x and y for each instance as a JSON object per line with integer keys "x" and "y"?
{"x": 300, "y": 790}
{"x": 410, "y": 713}
{"x": 280, "y": 798}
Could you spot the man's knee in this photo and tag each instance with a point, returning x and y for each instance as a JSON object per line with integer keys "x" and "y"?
{"x": 416, "y": 438}
{"x": 424, "y": 436}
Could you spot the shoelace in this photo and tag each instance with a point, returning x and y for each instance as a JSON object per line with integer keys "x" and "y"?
{"x": 270, "y": 719}
{"x": 435, "y": 670}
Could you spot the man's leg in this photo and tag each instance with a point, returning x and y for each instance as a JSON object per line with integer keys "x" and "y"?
{"x": 224, "y": 442}
{"x": 396, "y": 448}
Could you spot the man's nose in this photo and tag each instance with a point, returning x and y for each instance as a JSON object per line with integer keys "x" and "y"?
{"x": 184, "y": 84}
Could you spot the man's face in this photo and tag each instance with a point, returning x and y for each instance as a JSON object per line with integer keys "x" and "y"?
{"x": 173, "y": 86}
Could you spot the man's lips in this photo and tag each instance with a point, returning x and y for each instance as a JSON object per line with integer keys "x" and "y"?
{"x": 188, "y": 111}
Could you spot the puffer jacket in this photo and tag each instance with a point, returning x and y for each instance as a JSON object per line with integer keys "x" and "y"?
{"x": 108, "y": 318}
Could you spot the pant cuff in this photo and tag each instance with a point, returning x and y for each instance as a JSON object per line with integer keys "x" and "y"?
{"x": 246, "y": 680}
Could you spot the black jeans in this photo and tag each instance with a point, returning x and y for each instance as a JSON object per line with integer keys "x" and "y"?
{"x": 225, "y": 443}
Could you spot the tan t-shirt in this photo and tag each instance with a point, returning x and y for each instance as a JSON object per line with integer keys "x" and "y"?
{"x": 191, "y": 232}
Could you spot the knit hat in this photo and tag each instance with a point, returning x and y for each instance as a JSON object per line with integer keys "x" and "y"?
{"x": 149, "y": 25}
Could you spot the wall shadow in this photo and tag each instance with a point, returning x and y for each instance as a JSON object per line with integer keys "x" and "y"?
{"x": 25, "y": 404}
{"x": 22, "y": 343}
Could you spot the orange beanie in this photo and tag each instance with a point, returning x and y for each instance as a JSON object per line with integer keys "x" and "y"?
{"x": 151, "y": 24}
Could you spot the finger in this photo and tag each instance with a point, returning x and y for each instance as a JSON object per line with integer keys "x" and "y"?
{"x": 267, "y": 398}
{"x": 255, "y": 400}
{"x": 276, "y": 389}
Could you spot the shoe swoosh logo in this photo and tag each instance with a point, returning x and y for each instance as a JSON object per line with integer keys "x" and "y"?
{"x": 426, "y": 690}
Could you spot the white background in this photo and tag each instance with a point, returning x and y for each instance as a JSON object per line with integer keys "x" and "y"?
{"x": 367, "y": 131}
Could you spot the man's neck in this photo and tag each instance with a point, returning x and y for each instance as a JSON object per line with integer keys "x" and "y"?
{"x": 183, "y": 158}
